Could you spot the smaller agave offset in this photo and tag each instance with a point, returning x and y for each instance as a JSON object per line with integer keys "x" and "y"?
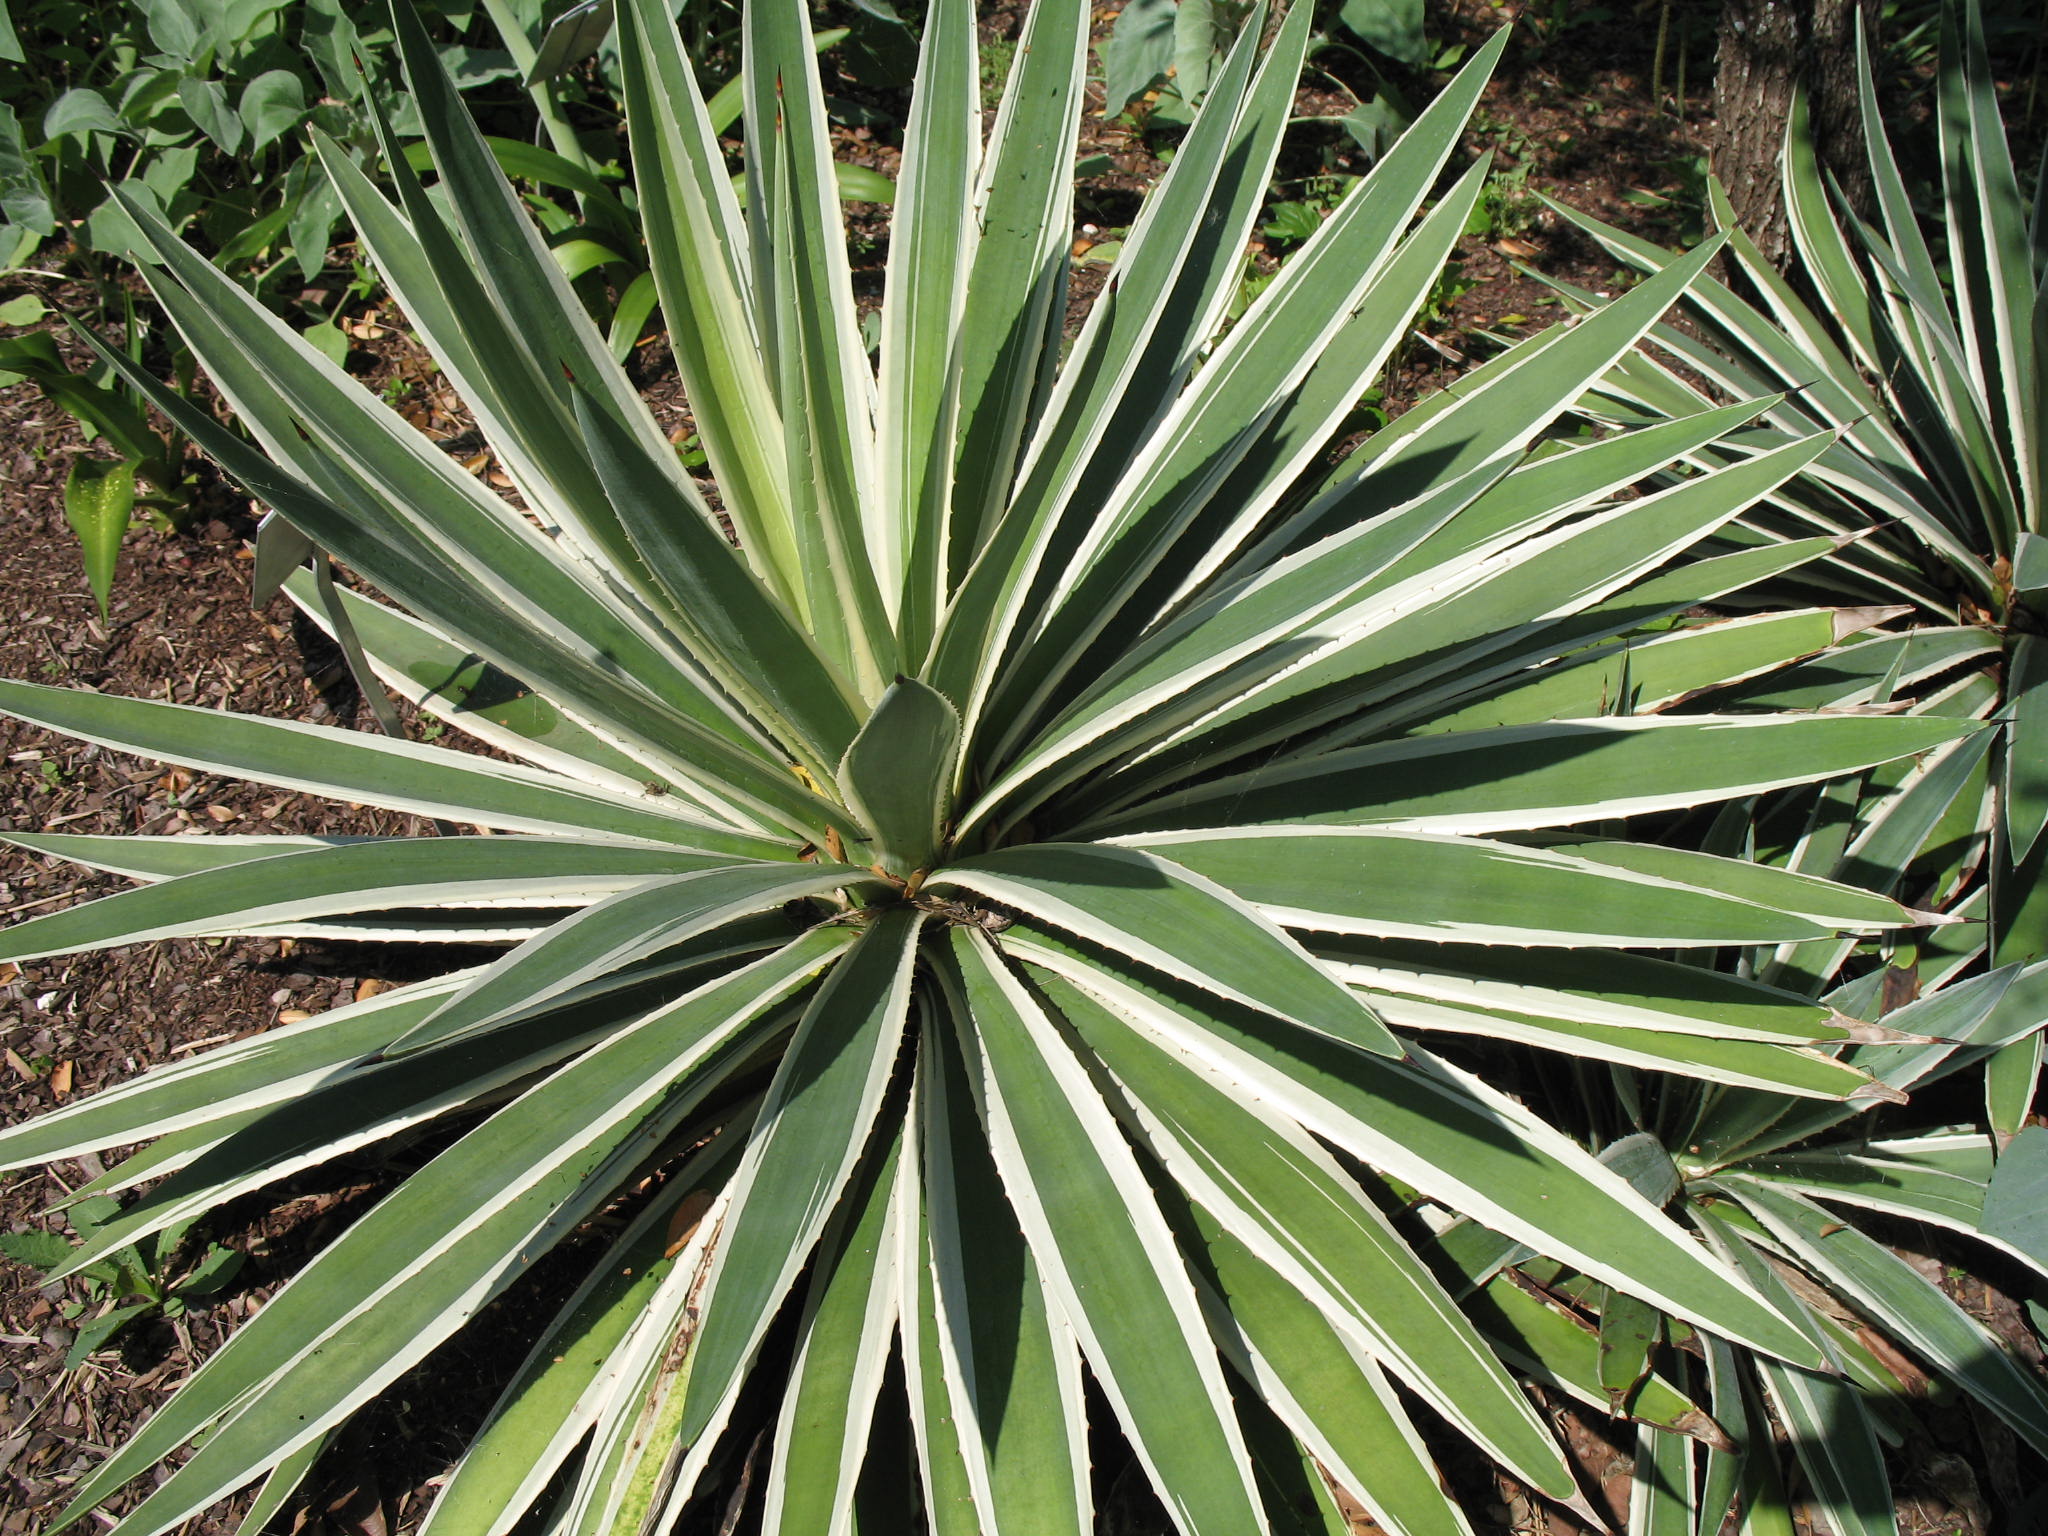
{"x": 1929, "y": 357}
{"x": 970, "y": 927}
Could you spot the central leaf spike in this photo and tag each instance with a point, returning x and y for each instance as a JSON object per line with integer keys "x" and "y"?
{"x": 897, "y": 776}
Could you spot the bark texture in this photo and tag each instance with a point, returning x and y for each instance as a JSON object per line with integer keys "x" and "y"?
{"x": 1769, "y": 48}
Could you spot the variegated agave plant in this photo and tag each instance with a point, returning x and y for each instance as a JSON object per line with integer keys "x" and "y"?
{"x": 1925, "y": 355}
{"x": 1927, "y": 351}
{"x": 972, "y": 926}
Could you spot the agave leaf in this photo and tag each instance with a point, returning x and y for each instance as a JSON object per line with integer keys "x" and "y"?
{"x": 2011, "y": 1216}
{"x": 350, "y": 878}
{"x": 823, "y": 384}
{"x": 1836, "y": 1446}
{"x": 1625, "y": 991}
{"x": 308, "y": 414}
{"x": 1562, "y": 1350}
{"x": 526, "y": 283}
{"x": 524, "y": 1177}
{"x": 1258, "y": 367}
{"x": 348, "y": 765}
{"x": 1160, "y": 914}
{"x": 1109, "y": 1257}
{"x": 935, "y": 1421}
{"x": 730, "y": 618}
{"x": 556, "y": 1396}
{"x": 1964, "y": 1020}
{"x": 383, "y": 545}
{"x": 608, "y": 935}
{"x": 1662, "y": 1496}
{"x": 1160, "y": 516}
{"x": 1014, "y": 308}
{"x": 1166, "y": 296}
{"x": 452, "y": 683}
{"x": 147, "y": 857}
{"x": 848, "y": 1327}
{"x": 1275, "y": 1193}
{"x": 1457, "y": 596}
{"x": 1441, "y": 1132}
{"x": 519, "y": 401}
{"x": 280, "y": 1485}
{"x": 1497, "y": 409}
{"x": 898, "y": 775}
{"x": 825, "y": 1095}
{"x": 1328, "y": 1392}
{"x": 1915, "y": 1311}
{"x": 1518, "y": 778}
{"x": 1474, "y": 890}
{"x": 242, "y": 1075}
{"x": 1008, "y": 1357}
{"x": 2026, "y": 795}
{"x": 931, "y": 253}
{"x": 1775, "y": 1068}
{"x": 697, "y": 250}
{"x": 355, "y": 1109}
{"x": 1644, "y": 676}
{"x": 1933, "y": 1178}
{"x": 1996, "y": 269}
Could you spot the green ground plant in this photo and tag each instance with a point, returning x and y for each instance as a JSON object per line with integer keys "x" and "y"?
{"x": 126, "y": 1285}
{"x": 980, "y": 915}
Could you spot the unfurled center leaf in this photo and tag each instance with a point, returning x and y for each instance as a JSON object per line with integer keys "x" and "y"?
{"x": 898, "y": 775}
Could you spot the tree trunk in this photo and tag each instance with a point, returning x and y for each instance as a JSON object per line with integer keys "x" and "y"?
{"x": 1769, "y": 48}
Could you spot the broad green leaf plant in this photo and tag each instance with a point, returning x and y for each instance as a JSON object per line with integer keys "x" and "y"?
{"x": 1927, "y": 352}
{"x": 979, "y": 904}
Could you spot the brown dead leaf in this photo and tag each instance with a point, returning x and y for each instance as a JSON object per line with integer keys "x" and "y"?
{"x": 176, "y": 782}
{"x": 60, "y": 1079}
{"x": 370, "y": 986}
{"x": 22, "y": 1069}
{"x": 683, "y": 1225}
{"x": 223, "y": 813}
{"x": 293, "y": 1015}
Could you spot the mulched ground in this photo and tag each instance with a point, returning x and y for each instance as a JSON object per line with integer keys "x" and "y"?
{"x": 181, "y": 628}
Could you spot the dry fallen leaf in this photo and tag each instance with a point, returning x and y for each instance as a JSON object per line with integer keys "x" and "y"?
{"x": 292, "y": 1015}
{"x": 223, "y": 813}
{"x": 682, "y": 1226}
{"x": 60, "y": 1079}
{"x": 370, "y": 986}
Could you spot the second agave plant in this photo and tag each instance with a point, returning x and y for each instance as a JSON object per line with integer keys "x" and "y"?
{"x": 970, "y": 907}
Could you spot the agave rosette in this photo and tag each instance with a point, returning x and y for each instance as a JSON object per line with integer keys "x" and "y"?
{"x": 1925, "y": 352}
{"x": 1801, "y": 1196}
{"x": 965, "y": 915}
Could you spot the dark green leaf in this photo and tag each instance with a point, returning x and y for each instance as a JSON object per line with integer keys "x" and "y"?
{"x": 898, "y": 774}
{"x": 99, "y": 499}
{"x": 272, "y": 105}
{"x": 2016, "y": 1205}
{"x": 1394, "y": 27}
{"x": 1139, "y": 51}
